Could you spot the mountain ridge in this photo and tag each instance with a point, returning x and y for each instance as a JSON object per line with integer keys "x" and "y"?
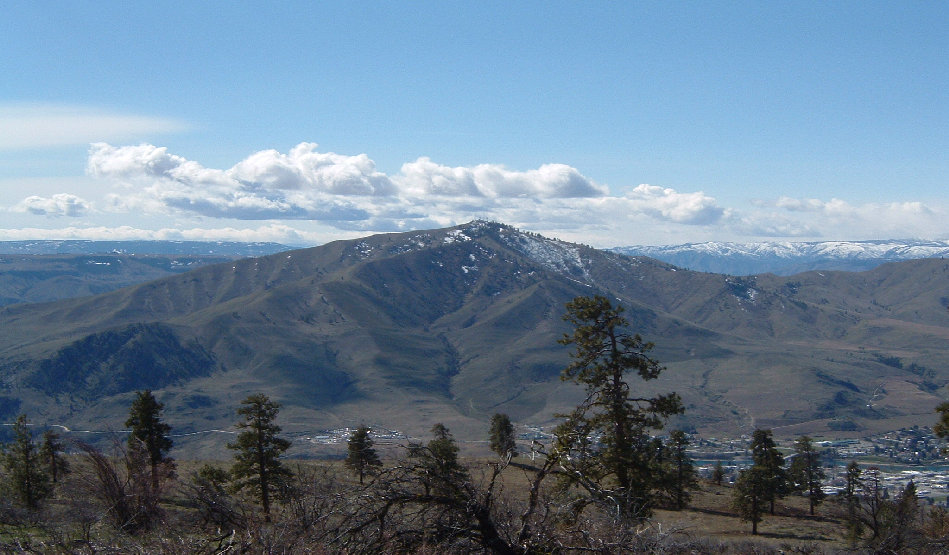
{"x": 788, "y": 258}
{"x": 452, "y": 325}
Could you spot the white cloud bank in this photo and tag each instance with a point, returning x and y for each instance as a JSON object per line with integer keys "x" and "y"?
{"x": 27, "y": 126}
{"x": 306, "y": 196}
{"x": 350, "y": 193}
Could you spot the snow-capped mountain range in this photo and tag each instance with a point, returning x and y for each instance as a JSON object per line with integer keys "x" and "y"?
{"x": 787, "y": 258}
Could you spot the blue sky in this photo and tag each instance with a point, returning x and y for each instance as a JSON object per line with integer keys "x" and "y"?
{"x": 609, "y": 123}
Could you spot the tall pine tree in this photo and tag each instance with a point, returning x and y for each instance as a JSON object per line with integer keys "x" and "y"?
{"x": 257, "y": 464}
{"x": 770, "y": 462}
{"x": 149, "y": 433}
{"x": 619, "y": 469}
{"x": 361, "y": 459}
{"x": 27, "y": 480}
{"x": 806, "y": 473}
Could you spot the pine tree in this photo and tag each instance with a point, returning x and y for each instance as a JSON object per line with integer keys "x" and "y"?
{"x": 257, "y": 462}
{"x": 851, "y": 498}
{"x": 806, "y": 473}
{"x": 362, "y": 458}
{"x": 502, "y": 436}
{"x": 618, "y": 469}
{"x": 149, "y": 433}
{"x": 51, "y": 455}
{"x": 439, "y": 469}
{"x": 682, "y": 476}
{"x": 751, "y": 495}
{"x": 770, "y": 462}
{"x": 26, "y": 479}
{"x": 718, "y": 473}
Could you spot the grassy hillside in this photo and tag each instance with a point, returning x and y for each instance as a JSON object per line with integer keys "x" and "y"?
{"x": 404, "y": 330}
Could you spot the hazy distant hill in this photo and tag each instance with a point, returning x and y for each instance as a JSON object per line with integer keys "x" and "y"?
{"x": 740, "y": 259}
{"x": 43, "y": 271}
{"x": 194, "y": 248}
{"x": 452, "y": 325}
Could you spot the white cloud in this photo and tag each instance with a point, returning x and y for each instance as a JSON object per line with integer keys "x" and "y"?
{"x": 342, "y": 195}
{"x": 309, "y": 185}
{"x": 52, "y": 125}
{"x": 668, "y": 204}
{"x": 424, "y": 177}
{"x": 275, "y": 233}
{"x": 62, "y": 204}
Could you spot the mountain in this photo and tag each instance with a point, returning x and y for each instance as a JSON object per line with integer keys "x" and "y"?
{"x": 43, "y": 271}
{"x": 230, "y": 249}
{"x": 43, "y": 278}
{"x": 786, "y": 259}
{"x": 400, "y": 331}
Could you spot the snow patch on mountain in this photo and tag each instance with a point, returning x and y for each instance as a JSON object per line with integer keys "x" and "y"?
{"x": 555, "y": 255}
{"x": 785, "y": 258}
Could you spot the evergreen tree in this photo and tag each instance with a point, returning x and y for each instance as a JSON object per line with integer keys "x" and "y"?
{"x": 902, "y": 525}
{"x": 26, "y": 479}
{"x": 718, "y": 473}
{"x": 682, "y": 476}
{"x": 149, "y": 433}
{"x": 438, "y": 467}
{"x": 751, "y": 495}
{"x": 852, "y": 500}
{"x": 257, "y": 464}
{"x": 362, "y": 458}
{"x": 770, "y": 462}
{"x": 618, "y": 469}
{"x": 51, "y": 455}
{"x": 502, "y": 436}
{"x": 806, "y": 473}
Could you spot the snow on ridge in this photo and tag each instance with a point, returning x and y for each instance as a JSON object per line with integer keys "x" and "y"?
{"x": 550, "y": 253}
{"x": 853, "y": 250}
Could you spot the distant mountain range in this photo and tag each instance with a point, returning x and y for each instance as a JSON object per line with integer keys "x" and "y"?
{"x": 193, "y": 248}
{"x": 404, "y": 330}
{"x": 43, "y": 271}
{"x": 787, "y": 259}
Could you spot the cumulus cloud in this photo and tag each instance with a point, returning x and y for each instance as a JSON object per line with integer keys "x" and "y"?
{"x": 53, "y": 125}
{"x": 668, "y": 204}
{"x": 424, "y": 177}
{"x": 345, "y": 194}
{"x": 306, "y": 184}
{"x": 63, "y": 204}
{"x": 275, "y": 233}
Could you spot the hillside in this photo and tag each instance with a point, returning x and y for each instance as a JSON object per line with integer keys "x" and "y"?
{"x": 45, "y": 278}
{"x": 404, "y": 330}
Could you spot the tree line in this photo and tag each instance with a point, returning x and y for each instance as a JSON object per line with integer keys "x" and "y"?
{"x": 592, "y": 487}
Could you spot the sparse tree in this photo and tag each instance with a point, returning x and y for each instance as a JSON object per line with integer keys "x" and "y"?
{"x": 149, "y": 433}
{"x": 603, "y": 446}
{"x": 806, "y": 474}
{"x": 257, "y": 464}
{"x": 751, "y": 495}
{"x": 851, "y": 500}
{"x": 27, "y": 481}
{"x": 718, "y": 473}
{"x": 51, "y": 455}
{"x": 902, "y": 528}
{"x": 438, "y": 468}
{"x": 770, "y": 462}
{"x": 361, "y": 459}
{"x": 873, "y": 504}
{"x": 682, "y": 476}
{"x": 502, "y": 436}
